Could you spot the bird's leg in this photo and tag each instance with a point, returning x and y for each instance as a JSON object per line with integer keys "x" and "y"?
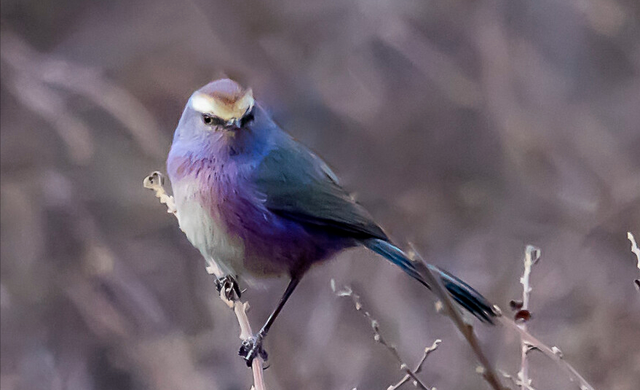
{"x": 228, "y": 284}
{"x": 252, "y": 347}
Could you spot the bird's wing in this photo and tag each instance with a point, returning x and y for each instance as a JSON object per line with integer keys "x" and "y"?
{"x": 298, "y": 185}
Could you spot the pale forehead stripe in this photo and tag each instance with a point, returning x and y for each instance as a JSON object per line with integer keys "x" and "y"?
{"x": 201, "y": 103}
{"x": 206, "y": 104}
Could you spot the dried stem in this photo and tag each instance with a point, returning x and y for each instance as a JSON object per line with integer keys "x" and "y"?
{"x": 489, "y": 373}
{"x": 636, "y": 251}
{"x": 240, "y": 308}
{"x": 516, "y": 381}
{"x": 528, "y": 342}
{"x": 554, "y": 353}
{"x": 487, "y": 370}
{"x": 377, "y": 336}
{"x": 407, "y": 377}
{"x": 531, "y": 257}
{"x": 155, "y": 182}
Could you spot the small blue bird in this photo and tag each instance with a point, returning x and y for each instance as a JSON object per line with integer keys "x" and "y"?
{"x": 255, "y": 202}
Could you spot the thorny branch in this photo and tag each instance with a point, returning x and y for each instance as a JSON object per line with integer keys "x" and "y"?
{"x": 155, "y": 182}
{"x": 377, "y": 336}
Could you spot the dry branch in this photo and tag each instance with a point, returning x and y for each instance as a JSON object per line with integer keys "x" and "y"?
{"x": 377, "y": 336}
{"x": 636, "y": 251}
{"x": 427, "y": 352}
{"x": 554, "y": 353}
{"x": 528, "y": 342}
{"x": 486, "y": 369}
{"x": 155, "y": 182}
{"x": 516, "y": 381}
{"x": 240, "y": 308}
{"x": 531, "y": 257}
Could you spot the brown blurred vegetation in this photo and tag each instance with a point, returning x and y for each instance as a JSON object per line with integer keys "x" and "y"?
{"x": 470, "y": 128}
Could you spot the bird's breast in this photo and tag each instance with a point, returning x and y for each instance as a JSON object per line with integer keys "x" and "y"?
{"x": 229, "y": 225}
{"x": 200, "y": 219}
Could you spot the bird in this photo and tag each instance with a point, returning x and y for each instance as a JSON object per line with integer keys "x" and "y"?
{"x": 257, "y": 203}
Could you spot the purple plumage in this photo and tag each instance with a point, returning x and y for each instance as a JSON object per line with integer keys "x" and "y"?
{"x": 225, "y": 217}
{"x": 223, "y": 211}
{"x": 257, "y": 203}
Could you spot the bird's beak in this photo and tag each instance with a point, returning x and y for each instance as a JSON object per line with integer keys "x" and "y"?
{"x": 233, "y": 124}
{"x": 238, "y": 123}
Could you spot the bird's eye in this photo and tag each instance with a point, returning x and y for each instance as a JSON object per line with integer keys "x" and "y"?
{"x": 211, "y": 120}
{"x": 207, "y": 119}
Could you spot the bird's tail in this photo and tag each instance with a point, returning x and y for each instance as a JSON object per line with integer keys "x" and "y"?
{"x": 464, "y": 294}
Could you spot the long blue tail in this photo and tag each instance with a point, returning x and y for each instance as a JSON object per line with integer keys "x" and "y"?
{"x": 464, "y": 294}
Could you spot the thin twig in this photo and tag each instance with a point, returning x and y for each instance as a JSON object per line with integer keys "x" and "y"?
{"x": 486, "y": 369}
{"x": 467, "y": 330}
{"x": 531, "y": 257}
{"x": 636, "y": 251}
{"x": 407, "y": 377}
{"x": 528, "y": 342}
{"x": 516, "y": 381}
{"x": 240, "y": 308}
{"x": 155, "y": 182}
{"x": 554, "y": 353}
{"x": 377, "y": 336}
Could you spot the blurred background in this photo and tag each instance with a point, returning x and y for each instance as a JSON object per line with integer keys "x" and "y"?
{"x": 469, "y": 128}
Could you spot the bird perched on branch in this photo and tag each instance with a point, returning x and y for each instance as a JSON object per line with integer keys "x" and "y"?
{"x": 255, "y": 202}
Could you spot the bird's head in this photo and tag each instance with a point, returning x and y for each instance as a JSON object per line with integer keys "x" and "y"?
{"x": 222, "y": 118}
{"x": 223, "y": 105}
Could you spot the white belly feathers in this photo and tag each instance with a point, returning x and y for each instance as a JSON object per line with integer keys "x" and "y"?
{"x": 220, "y": 249}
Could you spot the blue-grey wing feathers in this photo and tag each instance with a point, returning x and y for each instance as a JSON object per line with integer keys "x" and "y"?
{"x": 299, "y": 186}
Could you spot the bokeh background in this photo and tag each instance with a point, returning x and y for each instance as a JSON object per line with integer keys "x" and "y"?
{"x": 469, "y": 128}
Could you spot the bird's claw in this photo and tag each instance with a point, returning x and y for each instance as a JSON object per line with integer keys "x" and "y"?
{"x": 228, "y": 285}
{"x": 252, "y": 348}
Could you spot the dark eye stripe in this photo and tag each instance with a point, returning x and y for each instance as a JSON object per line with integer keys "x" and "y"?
{"x": 247, "y": 118}
{"x": 212, "y": 120}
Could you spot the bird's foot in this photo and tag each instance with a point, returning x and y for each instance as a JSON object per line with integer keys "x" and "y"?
{"x": 228, "y": 285}
{"x": 252, "y": 348}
